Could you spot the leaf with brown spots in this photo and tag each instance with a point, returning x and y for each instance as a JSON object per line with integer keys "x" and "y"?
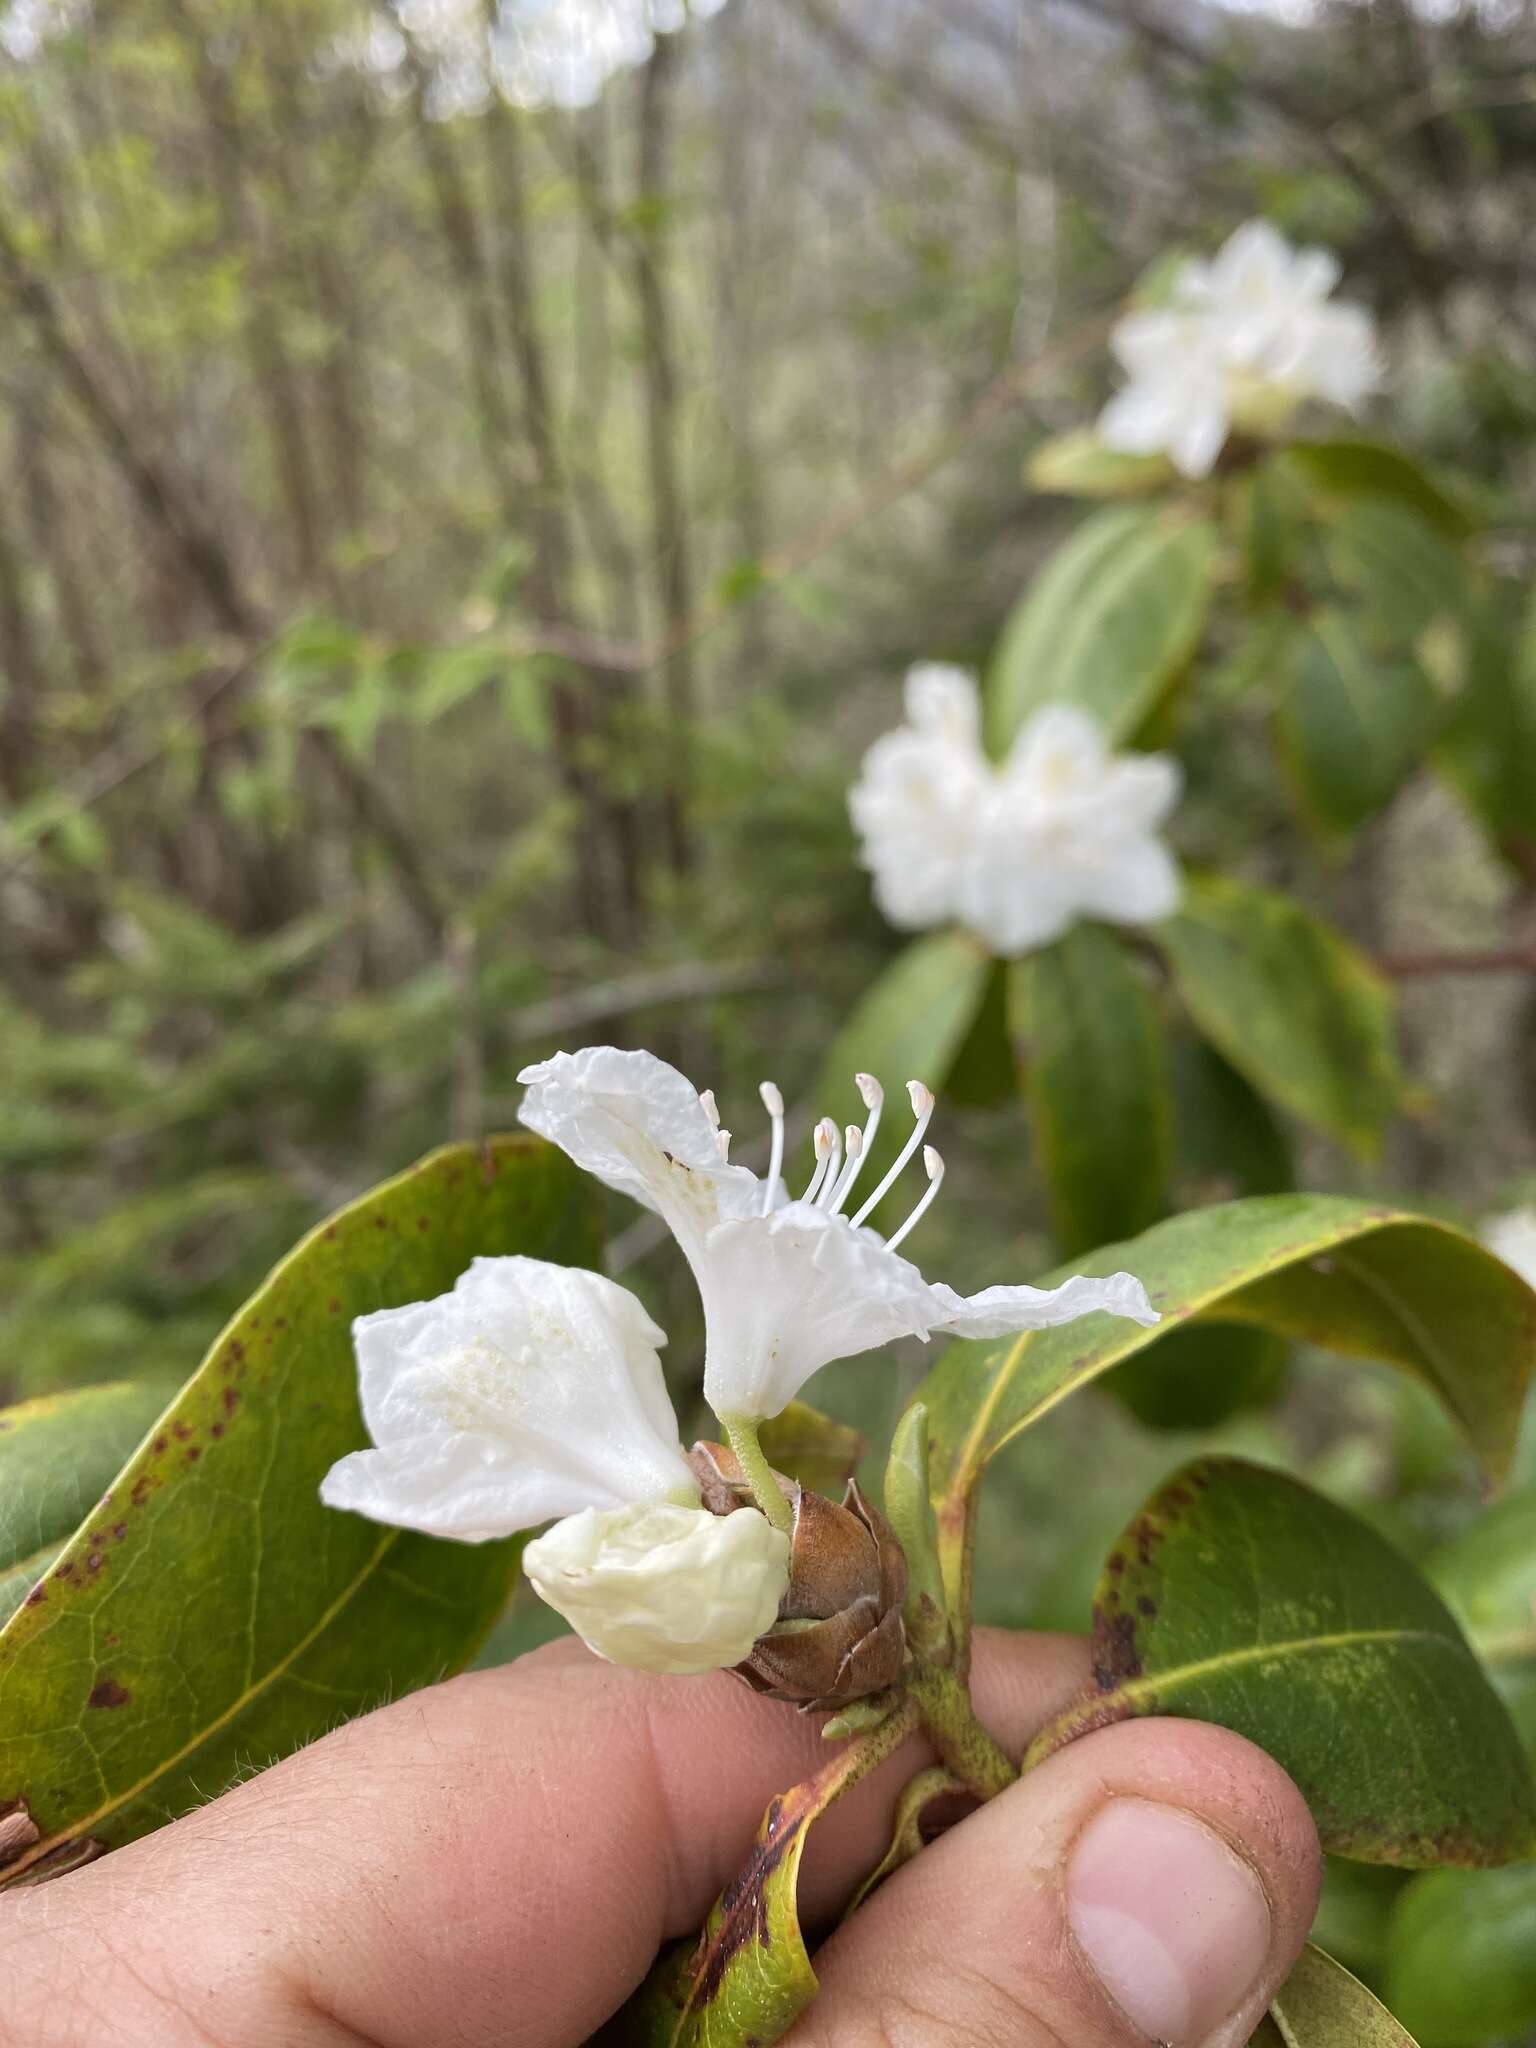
{"x": 208, "y": 1612}
{"x": 1323, "y": 2006}
{"x": 1242, "y": 1597}
{"x": 58, "y": 1456}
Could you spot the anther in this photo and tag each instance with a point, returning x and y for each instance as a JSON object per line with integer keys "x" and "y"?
{"x": 823, "y": 1139}
{"x": 853, "y": 1139}
{"x": 921, "y": 1099}
{"x": 723, "y": 1145}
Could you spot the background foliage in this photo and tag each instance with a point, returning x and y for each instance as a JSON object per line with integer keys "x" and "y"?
{"x": 454, "y": 557}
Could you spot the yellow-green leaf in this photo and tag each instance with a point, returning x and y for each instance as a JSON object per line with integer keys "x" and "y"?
{"x": 1323, "y": 2006}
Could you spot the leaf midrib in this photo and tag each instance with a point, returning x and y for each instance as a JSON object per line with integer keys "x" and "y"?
{"x": 1152, "y": 1682}
{"x": 205, "y": 1734}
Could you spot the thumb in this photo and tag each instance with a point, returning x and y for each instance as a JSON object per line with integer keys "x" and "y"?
{"x": 1153, "y": 1882}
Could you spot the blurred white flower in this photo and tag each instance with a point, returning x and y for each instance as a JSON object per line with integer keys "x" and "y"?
{"x": 1016, "y": 853}
{"x": 788, "y": 1284}
{"x": 664, "y": 1588}
{"x": 1513, "y": 1237}
{"x": 1243, "y": 340}
{"x": 531, "y": 1390}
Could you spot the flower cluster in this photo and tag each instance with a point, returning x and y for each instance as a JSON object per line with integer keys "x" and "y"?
{"x": 1241, "y": 342}
{"x": 1016, "y": 852}
{"x": 533, "y": 1390}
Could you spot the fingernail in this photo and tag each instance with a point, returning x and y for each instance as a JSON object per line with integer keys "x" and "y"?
{"x": 1171, "y": 1919}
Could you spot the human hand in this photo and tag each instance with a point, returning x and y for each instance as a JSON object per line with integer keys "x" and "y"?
{"x": 497, "y": 1860}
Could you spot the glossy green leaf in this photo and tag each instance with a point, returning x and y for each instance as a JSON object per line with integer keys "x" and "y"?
{"x": 1353, "y": 723}
{"x": 1354, "y": 1911}
{"x": 1107, "y": 623}
{"x": 135, "y": 1687}
{"x": 806, "y": 1445}
{"x": 1339, "y": 473}
{"x": 910, "y": 1025}
{"x": 1356, "y": 1277}
{"x": 1087, "y": 1026}
{"x": 1323, "y": 2006}
{"x": 983, "y": 1073}
{"x": 58, "y": 1455}
{"x": 1461, "y": 1956}
{"x": 1080, "y": 465}
{"x": 1229, "y": 1139}
{"x": 1290, "y": 1003}
{"x": 1242, "y": 1597}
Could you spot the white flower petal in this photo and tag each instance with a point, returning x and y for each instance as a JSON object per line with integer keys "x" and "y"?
{"x": 944, "y": 701}
{"x": 1000, "y": 1311}
{"x": 641, "y": 1128}
{"x": 1512, "y": 1237}
{"x": 1199, "y": 437}
{"x": 664, "y": 1588}
{"x": 530, "y": 1390}
{"x": 1136, "y": 881}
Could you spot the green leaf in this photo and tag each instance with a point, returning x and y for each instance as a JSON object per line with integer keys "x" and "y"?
{"x": 1341, "y": 472}
{"x": 1242, "y": 1597}
{"x": 1291, "y": 1003}
{"x": 1488, "y": 750}
{"x": 1198, "y": 1377}
{"x": 1323, "y": 2006}
{"x": 1229, "y": 1142}
{"x": 909, "y": 1025}
{"x": 1355, "y": 1277}
{"x": 1353, "y": 1913}
{"x": 1353, "y": 724}
{"x": 1080, "y": 465}
{"x": 983, "y": 1073}
{"x": 211, "y": 1611}
{"x": 1096, "y": 1085}
{"x": 1461, "y": 1956}
{"x": 1108, "y": 622}
{"x": 1487, "y": 1577}
{"x": 58, "y": 1455}
{"x": 806, "y": 1445}
{"x": 1399, "y": 565}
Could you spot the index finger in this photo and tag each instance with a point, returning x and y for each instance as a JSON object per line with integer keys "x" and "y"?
{"x": 498, "y": 1858}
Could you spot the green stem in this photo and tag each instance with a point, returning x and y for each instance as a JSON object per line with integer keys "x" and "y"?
{"x": 951, "y": 1724}
{"x": 758, "y": 1473}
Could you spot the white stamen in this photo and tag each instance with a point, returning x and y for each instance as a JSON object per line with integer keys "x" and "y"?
{"x": 723, "y": 1145}
{"x": 935, "y": 1169}
{"x": 829, "y": 1185}
{"x": 853, "y": 1138}
{"x": 710, "y": 1107}
{"x": 921, "y": 1099}
{"x": 823, "y": 1138}
{"x": 773, "y": 1102}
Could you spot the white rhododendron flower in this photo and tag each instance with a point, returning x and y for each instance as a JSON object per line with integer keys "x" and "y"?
{"x": 788, "y": 1283}
{"x": 1242, "y": 341}
{"x": 1513, "y": 1237}
{"x": 534, "y": 1390}
{"x": 1016, "y": 852}
{"x": 664, "y": 1588}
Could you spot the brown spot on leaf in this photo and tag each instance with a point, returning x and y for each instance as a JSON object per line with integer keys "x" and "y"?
{"x": 1116, "y": 1658}
{"x": 330, "y": 1233}
{"x": 741, "y": 1914}
{"x": 1114, "y": 1564}
{"x": 182, "y": 1431}
{"x": 216, "y": 1430}
{"x": 160, "y": 1443}
{"x": 142, "y": 1489}
{"x": 119, "y": 1531}
{"x": 36, "y": 1597}
{"x": 95, "y": 1561}
{"x": 66, "y": 1569}
{"x": 108, "y": 1693}
{"x": 231, "y": 1400}
{"x": 423, "y": 1223}
{"x": 1146, "y": 1607}
{"x": 333, "y": 1307}
{"x": 194, "y": 1452}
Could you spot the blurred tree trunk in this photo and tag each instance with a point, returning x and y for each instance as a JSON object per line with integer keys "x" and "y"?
{"x": 672, "y": 560}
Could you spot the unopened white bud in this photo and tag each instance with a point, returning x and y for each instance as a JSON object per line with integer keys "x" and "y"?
{"x": 663, "y": 1587}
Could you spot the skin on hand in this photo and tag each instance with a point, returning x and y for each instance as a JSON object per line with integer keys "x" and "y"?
{"x": 496, "y": 1860}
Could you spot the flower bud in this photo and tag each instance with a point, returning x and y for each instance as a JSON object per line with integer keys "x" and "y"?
{"x": 662, "y": 1587}
{"x": 839, "y": 1632}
